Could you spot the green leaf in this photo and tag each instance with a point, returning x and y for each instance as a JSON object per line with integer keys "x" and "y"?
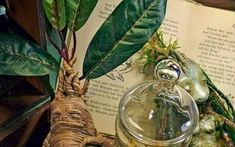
{"x": 54, "y": 35}
{"x": 55, "y": 12}
{"x": 77, "y": 12}
{"x": 128, "y": 28}
{"x": 18, "y": 56}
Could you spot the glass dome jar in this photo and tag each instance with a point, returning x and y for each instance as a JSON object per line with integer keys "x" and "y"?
{"x": 157, "y": 113}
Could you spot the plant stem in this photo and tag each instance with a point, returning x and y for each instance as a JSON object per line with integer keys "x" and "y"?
{"x": 216, "y": 98}
{"x": 211, "y": 84}
{"x": 64, "y": 46}
{"x": 74, "y": 46}
{"x": 69, "y": 36}
{"x": 54, "y": 44}
{"x": 221, "y": 118}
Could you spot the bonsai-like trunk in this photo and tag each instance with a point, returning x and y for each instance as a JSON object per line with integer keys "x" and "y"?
{"x": 71, "y": 122}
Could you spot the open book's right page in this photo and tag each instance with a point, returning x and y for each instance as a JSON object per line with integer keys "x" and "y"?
{"x": 206, "y": 35}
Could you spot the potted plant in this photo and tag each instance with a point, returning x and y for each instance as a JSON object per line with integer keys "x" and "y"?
{"x": 115, "y": 42}
{"x": 101, "y": 57}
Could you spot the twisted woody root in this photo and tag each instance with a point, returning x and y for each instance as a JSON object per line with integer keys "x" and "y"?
{"x": 71, "y": 122}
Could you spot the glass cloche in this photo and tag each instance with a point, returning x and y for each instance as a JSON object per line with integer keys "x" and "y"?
{"x": 157, "y": 113}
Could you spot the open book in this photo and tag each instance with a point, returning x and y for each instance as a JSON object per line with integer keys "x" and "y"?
{"x": 206, "y": 35}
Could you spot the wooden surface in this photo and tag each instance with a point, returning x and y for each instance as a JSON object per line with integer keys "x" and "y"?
{"x": 223, "y": 4}
{"x": 29, "y": 15}
{"x": 22, "y": 102}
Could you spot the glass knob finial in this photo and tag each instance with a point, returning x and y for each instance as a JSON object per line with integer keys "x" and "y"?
{"x": 168, "y": 70}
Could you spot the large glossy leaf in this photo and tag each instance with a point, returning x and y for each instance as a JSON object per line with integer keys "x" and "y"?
{"x": 18, "y": 56}
{"x": 77, "y": 12}
{"x": 128, "y": 28}
{"x": 55, "y": 12}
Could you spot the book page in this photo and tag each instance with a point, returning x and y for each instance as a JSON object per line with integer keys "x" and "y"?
{"x": 197, "y": 35}
{"x": 213, "y": 46}
{"x": 208, "y": 37}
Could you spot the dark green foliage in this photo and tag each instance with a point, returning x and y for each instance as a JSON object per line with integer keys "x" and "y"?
{"x": 128, "y": 28}
{"x": 19, "y": 56}
{"x": 55, "y": 12}
{"x": 77, "y": 12}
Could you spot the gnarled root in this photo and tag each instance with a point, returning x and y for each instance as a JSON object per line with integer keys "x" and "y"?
{"x": 71, "y": 122}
